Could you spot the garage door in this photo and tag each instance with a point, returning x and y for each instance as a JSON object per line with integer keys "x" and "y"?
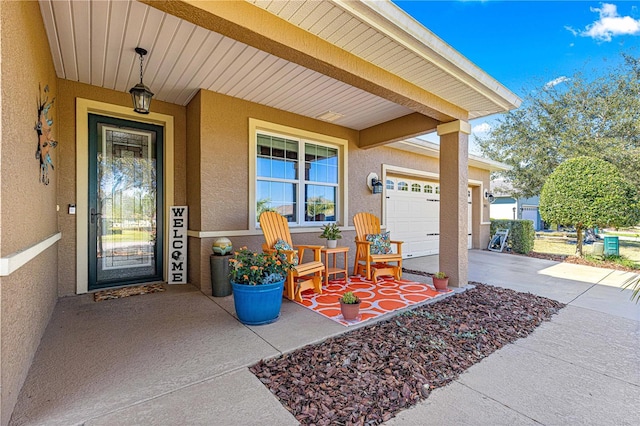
{"x": 532, "y": 213}
{"x": 413, "y": 215}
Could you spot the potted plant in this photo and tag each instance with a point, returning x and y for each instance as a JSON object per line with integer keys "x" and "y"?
{"x": 257, "y": 280}
{"x": 332, "y": 233}
{"x": 441, "y": 281}
{"x": 349, "y": 306}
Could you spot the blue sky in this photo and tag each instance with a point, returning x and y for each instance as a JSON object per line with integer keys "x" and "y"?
{"x": 525, "y": 44}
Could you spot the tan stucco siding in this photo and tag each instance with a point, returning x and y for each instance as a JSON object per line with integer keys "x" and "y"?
{"x": 481, "y": 213}
{"x": 27, "y": 207}
{"x": 28, "y": 298}
{"x": 362, "y": 162}
{"x": 224, "y": 155}
{"x": 219, "y": 149}
{"x": 479, "y": 175}
{"x": 193, "y": 152}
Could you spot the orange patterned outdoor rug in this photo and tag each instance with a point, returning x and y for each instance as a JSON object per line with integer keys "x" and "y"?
{"x": 127, "y": 291}
{"x": 386, "y": 296}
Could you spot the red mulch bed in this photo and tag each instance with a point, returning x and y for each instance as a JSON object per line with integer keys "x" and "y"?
{"x": 366, "y": 376}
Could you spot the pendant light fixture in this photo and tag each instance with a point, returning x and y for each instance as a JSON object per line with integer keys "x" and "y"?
{"x": 140, "y": 94}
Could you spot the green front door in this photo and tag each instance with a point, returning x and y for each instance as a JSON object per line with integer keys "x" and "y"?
{"x": 125, "y": 202}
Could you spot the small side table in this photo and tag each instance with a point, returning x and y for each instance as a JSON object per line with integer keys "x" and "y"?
{"x": 335, "y": 270}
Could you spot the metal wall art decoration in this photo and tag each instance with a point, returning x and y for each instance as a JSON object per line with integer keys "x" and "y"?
{"x": 45, "y": 141}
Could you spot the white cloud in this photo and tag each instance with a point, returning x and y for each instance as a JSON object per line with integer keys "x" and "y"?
{"x": 572, "y": 30}
{"x": 610, "y": 24}
{"x": 556, "y": 81}
{"x": 482, "y": 128}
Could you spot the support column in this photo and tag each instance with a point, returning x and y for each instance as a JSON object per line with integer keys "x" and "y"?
{"x": 454, "y": 176}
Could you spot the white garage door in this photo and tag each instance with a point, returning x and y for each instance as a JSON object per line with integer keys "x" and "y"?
{"x": 413, "y": 215}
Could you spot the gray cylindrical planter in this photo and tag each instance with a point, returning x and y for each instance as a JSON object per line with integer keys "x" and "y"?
{"x": 220, "y": 282}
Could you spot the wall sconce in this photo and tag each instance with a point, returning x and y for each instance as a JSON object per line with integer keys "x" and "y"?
{"x": 140, "y": 94}
{"x": 374, "y": 183}
{"x": 489, "y": 196}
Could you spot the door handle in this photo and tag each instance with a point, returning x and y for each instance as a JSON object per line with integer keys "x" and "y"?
{"x": 94, "y": 215}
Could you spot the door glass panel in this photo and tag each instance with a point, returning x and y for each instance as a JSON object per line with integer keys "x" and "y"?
{"x": 126, "y": 205}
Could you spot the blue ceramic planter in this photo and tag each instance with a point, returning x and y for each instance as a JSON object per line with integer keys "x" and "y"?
{"x": 258, "y": 304}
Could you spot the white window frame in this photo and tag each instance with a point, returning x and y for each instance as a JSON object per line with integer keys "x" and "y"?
{"x": 301, "y": 136}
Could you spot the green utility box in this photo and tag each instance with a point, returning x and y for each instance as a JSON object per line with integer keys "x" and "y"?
{"x": 611, "y": 246}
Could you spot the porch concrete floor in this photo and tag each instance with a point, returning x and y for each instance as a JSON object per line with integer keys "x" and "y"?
{"x": 180, "y": 357}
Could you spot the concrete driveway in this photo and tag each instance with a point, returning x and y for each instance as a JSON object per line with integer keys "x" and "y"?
{"x": 179, "y": 357}
{"x": 580, "y": 368}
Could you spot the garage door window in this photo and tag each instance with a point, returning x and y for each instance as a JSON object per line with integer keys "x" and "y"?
{"x": 428, "y": 189}
{"x": 296, "y": 178}
{"x": 402, "y": 186}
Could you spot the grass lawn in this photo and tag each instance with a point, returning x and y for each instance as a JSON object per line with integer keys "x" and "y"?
{"x": 628, "y": 249}
{"x": 127, "y": 236}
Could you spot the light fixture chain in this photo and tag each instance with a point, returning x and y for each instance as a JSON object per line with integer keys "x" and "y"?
{"x": 141, "y": 59}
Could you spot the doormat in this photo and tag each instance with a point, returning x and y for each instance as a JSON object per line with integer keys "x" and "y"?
{"x": 127, "y": 291}
{"x": 387, "y": 295}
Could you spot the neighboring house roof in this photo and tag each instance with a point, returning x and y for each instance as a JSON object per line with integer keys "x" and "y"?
{"x": 501, "y": 188}
{"x": 430, "y": 149}
{"x": 92, "y": 42}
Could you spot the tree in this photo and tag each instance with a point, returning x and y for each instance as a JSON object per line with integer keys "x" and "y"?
{"x": 319, "y": 206}
{"x": 587, "y": 192}
{"x": 598, "y": 118}
{"x": 264, "y": 205}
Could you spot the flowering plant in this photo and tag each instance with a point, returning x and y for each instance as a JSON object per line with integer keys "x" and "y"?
{"x": 251, "y": 268}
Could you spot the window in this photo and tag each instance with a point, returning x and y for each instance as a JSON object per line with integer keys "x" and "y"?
{"x": 297, "y": 178}
{"x": 390, "y": 184}
{"x": 437, "y": 189}
{"x": 416, "y": 187}
{"x": 402, "y": 186}
{"x": 428, "y": 189}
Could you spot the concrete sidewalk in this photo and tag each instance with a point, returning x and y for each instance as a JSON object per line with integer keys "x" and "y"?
{"x": 580, "y": 368}
{"x": 180, "y": 357}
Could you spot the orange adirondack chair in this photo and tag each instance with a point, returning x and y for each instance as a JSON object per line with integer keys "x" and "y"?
{"x": 372, "y": 265}
{"x": 306, "y": 274}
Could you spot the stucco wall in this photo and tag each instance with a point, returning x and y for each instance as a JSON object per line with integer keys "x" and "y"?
{"x": 66, "y": 103}
{"x": 481, "y": 208}
{"x": 223, "y": 159}
{"x": 224, "y": 150}
{"x": 27, "y": 207}
{"x": 193, "y": 160}
{"x": 219, "y": 148}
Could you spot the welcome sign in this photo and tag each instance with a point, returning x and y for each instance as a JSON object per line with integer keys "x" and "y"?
{"x": 178, "y": 226}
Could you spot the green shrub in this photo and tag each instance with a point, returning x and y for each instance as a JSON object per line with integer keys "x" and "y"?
{"x": 621, "y": 260}
{"x": 521, "y": 233}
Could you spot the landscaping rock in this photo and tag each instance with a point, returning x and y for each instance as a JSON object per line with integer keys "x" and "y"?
{"x": 366, "y": 376}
